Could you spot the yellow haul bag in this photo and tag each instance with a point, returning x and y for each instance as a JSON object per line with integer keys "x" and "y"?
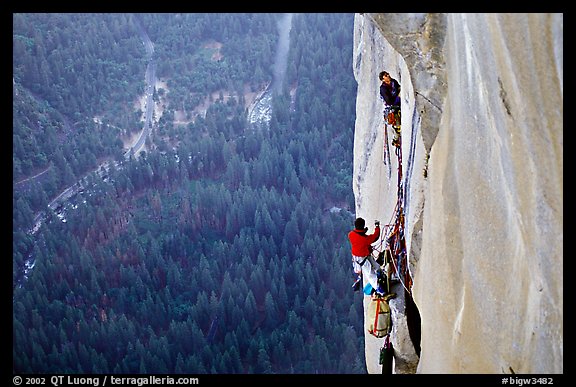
{"x": 379, "y": 321}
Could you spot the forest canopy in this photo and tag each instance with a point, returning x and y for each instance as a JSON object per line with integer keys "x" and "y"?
{"x": 222, "y": 248}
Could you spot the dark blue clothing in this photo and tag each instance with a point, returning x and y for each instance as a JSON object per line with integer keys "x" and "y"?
{"x": 390, "y": 93}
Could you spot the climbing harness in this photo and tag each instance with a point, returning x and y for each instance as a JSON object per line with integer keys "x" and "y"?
{"x": 361, "y": 263}
{"x": 392, "y": 116}
{"x": 392, "y": 119}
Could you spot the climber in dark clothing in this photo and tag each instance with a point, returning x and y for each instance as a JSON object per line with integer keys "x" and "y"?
{"x": 389, "y": 89}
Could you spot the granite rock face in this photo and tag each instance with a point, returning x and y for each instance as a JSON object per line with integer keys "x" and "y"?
{"x": 482, "y": 181}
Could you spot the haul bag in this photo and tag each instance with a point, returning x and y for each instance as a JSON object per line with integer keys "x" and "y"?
{"x": 379, "y": 321}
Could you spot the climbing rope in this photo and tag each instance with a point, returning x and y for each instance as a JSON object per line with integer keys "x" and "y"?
{"x": 393, "y": 238}
{"x": 386, "y": 149}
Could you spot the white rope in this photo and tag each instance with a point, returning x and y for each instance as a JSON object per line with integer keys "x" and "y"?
{"x": 399, "y": 276}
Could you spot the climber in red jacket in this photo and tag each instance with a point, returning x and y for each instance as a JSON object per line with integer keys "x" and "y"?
{"x": 362, "y": 252}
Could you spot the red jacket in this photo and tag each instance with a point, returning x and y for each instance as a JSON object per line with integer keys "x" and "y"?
{"x": 361, "y": 242}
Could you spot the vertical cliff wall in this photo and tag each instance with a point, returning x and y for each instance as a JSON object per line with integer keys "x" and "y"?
{"x": 482, "y": 167}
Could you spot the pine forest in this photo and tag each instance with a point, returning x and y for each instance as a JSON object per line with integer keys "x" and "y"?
{"x": 219, "y": 248}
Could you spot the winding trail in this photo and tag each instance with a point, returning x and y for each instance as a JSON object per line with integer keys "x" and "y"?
{"x": 150, "y": 79}
{"x": 28, "y": 179}
{"x": 66, "y": 194}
